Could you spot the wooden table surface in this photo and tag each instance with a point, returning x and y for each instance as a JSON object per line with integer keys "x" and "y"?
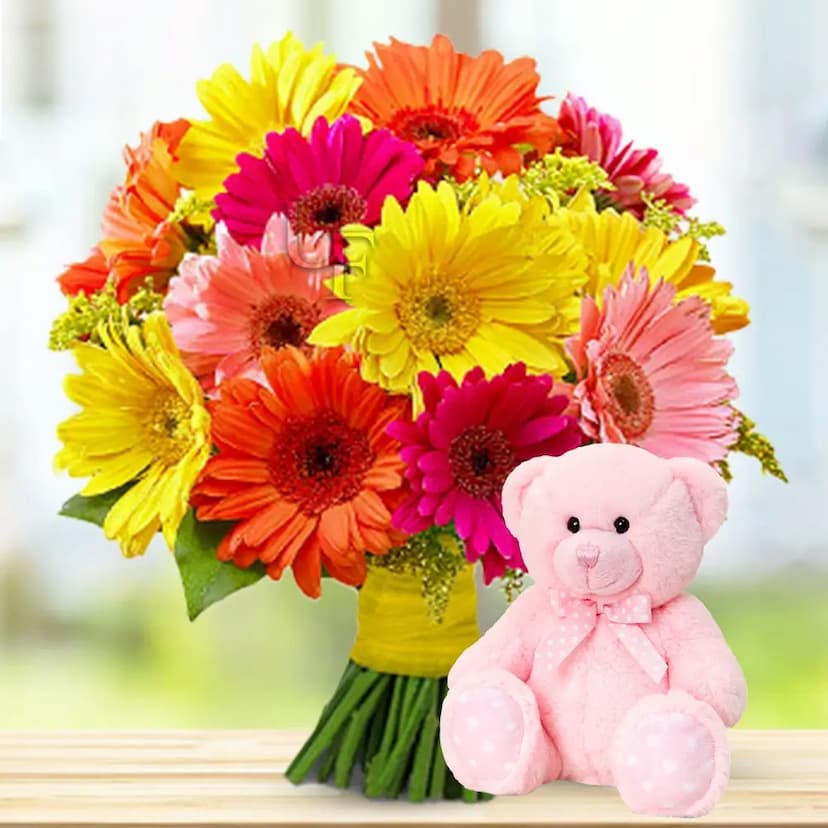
{"x": 234, "y": 778}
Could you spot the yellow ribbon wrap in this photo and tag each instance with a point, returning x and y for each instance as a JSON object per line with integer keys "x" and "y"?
{"x": 395, "y": 633}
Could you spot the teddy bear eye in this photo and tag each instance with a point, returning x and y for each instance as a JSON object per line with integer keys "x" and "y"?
{"x": 621, "y": 525}
{"x": 573, "y": 524}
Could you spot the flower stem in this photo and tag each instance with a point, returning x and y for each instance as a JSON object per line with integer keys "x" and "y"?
{"x": 359, "y": 721}
{"x": 356, "y": 689}
{"x": 390, "y": 724}
{"x": 416, "y": 699}
{"x": 420, "y": 770}
{"x": 344, "y": 683}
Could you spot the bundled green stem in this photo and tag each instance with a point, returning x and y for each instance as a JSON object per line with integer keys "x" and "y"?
{"x": 388, "y": 726}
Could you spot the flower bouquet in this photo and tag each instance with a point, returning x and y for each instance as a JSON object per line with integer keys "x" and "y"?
{"x": 324, "y": 322}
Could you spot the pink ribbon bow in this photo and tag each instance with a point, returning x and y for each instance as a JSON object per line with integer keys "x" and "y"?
{"x": 579, "y": 616}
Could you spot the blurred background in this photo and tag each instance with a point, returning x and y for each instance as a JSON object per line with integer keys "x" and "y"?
{"x": 735, "y": 96}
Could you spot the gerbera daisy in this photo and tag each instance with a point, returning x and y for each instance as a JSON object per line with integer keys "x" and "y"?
{"x": 139, "y": 241}
{"x": 652, "y": 373}
{"x": 143, "y": 420}
{"x": 633, "y": 171}
{"x": 289, "y": 86}
{"x": 612, "y": 241}
{"x": 441, "y": 287}
{"x": 460, "y": 111}
{"x": 336, "y": 176}
{"x": 87, "y": 276}
{"x": 225, "y": 309}
{"x": 305, "y": 467}
{"x": 462, "y": 447}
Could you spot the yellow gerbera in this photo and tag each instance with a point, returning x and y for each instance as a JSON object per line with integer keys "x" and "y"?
{"x": 613, "y": 240}
{"x": 289, "y": 86}
{"x": 143, "y": 419}
{"x": 436, "y": 286}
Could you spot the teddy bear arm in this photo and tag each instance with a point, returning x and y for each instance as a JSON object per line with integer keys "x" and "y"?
{"x": 508, "y": 645}
{"x": 699, "y": 659}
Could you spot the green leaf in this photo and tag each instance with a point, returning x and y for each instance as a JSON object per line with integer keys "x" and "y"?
{"x": 205, "y": 578}
{"x": 92, "y": 509}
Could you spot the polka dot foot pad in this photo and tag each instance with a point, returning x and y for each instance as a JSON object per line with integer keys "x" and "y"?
{"x": 670, "y": 756}
{"x": 490, "y": 735}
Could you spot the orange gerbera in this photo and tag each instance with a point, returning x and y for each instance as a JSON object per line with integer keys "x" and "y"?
{"x": 305, "y": 467}
{"x": 139, "y": 241}
{"x": 87, "y": 276}
{"x": 460, "y": 111}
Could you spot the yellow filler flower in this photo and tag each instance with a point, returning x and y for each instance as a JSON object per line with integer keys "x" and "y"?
{"x": 612, "y": 240}
{"x": 437, "y": 287}
{"x": 143, "y": 419}
{"x": 289, "y": 86}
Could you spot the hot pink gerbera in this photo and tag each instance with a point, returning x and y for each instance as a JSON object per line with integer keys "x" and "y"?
{"x": 632, "y": 171}
{"x": 334, "y": 177}
{"x": 459, "y": 451}
{"x": 652, "y": 373}
{"x": 224, "y": 309}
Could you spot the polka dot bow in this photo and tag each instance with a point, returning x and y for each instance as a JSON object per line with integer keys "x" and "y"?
{"x": 578, "y": 618}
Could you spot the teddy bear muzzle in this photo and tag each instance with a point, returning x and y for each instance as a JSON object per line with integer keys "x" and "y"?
{"x": 596, "y": 562}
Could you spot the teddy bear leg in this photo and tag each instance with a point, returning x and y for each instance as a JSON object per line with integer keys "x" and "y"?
{"x": 670, "y": 756}
{"x": 492, "y": 736}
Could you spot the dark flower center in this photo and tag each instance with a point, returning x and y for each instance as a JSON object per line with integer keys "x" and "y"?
{"x": 480, "y": 459}
{"x": 438, "y": 309}
{"x": 630, "y": 395}
{"x": 326, "y": 208}
{"x": 319, "y": 461}
{"x": 286, "y": 330}
{"x": 282, "y": 320}
{"x": 432, "y": 125}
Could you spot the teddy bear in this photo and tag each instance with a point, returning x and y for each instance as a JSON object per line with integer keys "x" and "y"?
{"x": 604, "y": 671}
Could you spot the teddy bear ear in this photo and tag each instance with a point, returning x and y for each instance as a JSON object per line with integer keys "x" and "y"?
{"x": 708, "y": 491}
{"x": 516, "y": 487}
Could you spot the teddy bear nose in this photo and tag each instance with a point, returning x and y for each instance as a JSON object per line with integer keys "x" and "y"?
{"x": 587, "y": 554}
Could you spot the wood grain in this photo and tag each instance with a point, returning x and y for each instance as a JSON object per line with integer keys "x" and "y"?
{"x": 234, "y": 778}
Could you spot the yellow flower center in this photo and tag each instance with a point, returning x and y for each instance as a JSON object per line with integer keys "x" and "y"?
{"x": 168, "y": 428}
{"x": 438, "y": 315}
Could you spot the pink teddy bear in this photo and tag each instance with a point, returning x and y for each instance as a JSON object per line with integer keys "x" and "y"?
{"x": 603, "y": 671}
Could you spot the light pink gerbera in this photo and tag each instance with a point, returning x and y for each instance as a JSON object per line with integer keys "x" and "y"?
{"x": 224, "y": 309}
{"x": 632, "y": 171}
{"x": 652, "y": 373}
{"x": 334, "y": 177}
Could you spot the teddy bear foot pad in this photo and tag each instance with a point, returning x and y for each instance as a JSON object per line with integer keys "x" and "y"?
{"x": 670, "y": 756}
{"x": 492, "y": 736}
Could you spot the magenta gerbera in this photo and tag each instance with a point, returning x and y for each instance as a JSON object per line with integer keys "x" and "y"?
{"x": 634, "y": 172}
{"x": 334, "y": 177}
{"x": 461, "y": 448}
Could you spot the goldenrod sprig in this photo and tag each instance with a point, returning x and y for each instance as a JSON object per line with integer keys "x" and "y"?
{"x": 436, "y": 555}
{"x": 557, "y": 177}
{"x": 662, "y": 215}
{"x": 754, "y": 444}
{"x": 82, "y": 319}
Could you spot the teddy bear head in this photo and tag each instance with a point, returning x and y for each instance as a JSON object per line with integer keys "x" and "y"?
{"x": 608, "y": 520}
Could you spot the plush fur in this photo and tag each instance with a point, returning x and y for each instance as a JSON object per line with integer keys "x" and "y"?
{"x": 517, "y": 715}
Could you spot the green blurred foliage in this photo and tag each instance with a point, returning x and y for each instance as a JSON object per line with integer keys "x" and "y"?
{"x": 779, "y": 631}
{"x": 268, "y": 657}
